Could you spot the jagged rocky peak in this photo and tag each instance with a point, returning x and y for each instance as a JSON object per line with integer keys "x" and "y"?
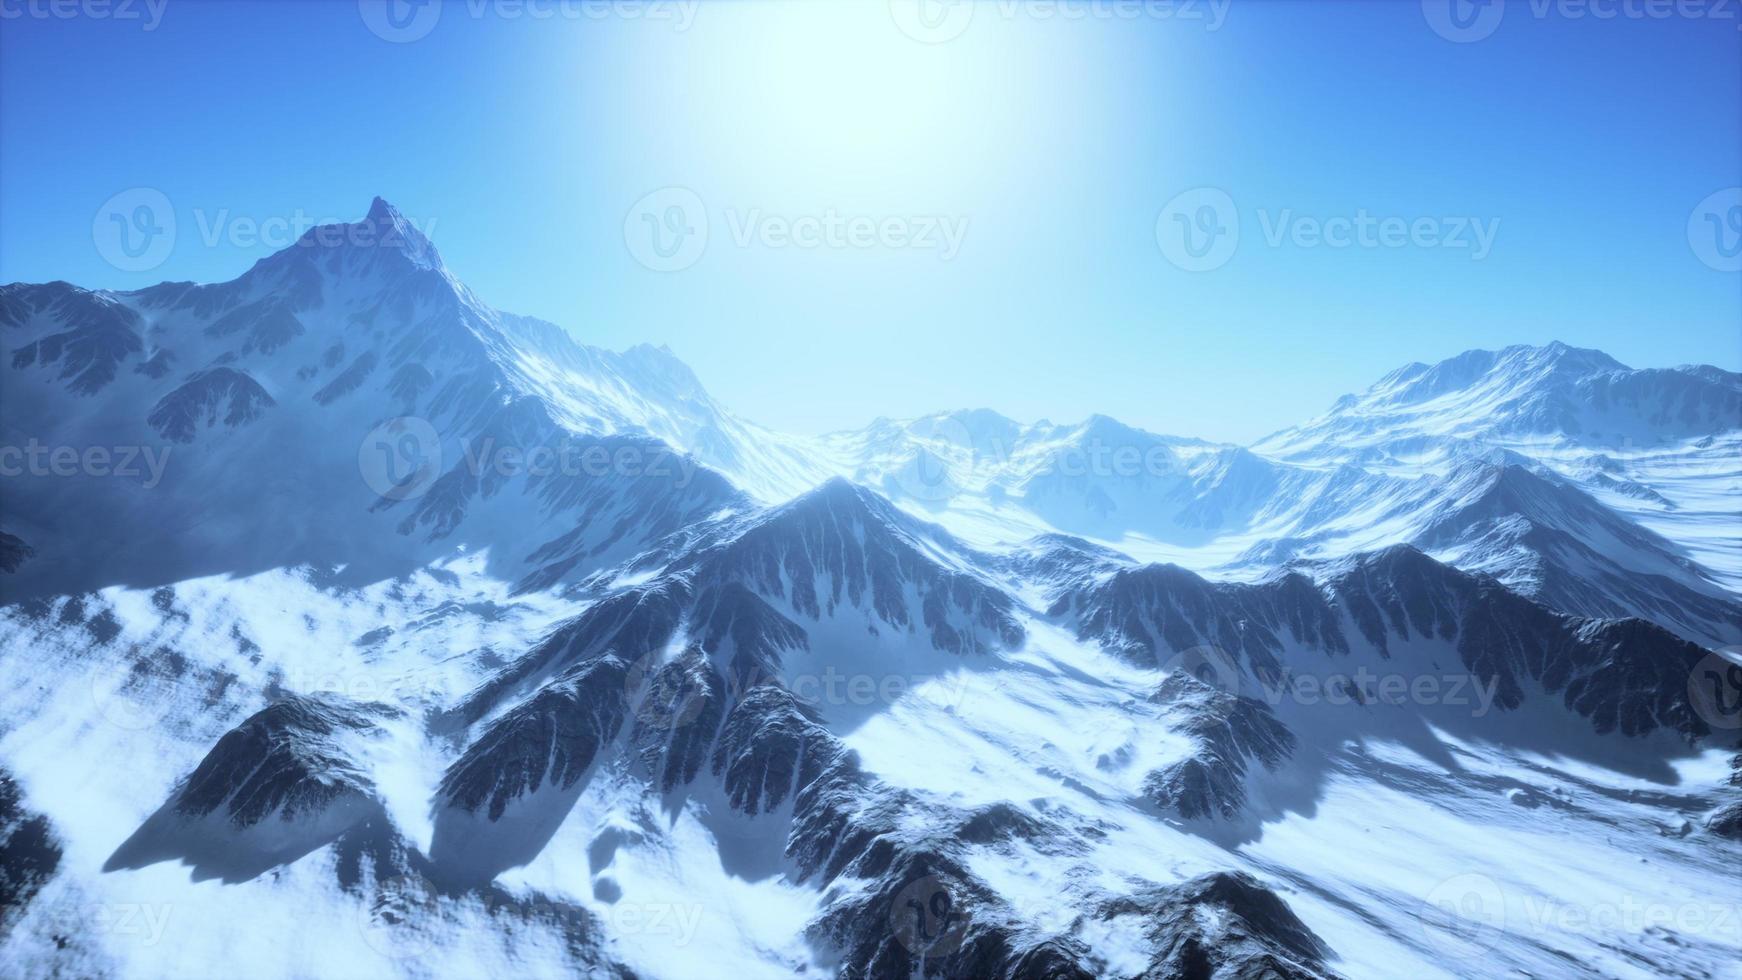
{"x": 841, "y": 545}
{"x": 1224, "y": 924}
{"x": 384, "y": 246}
{"x": 291, "y": 778}
{"x": 384, "y": 227}
{"x": 1229, "y": 731}
{"x": 551, "y": 740}
{"x": 293, "y": 757}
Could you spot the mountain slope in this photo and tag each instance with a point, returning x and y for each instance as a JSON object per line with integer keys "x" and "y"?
{"x": 686, "y": 705}
{"x": 345, "y": 389}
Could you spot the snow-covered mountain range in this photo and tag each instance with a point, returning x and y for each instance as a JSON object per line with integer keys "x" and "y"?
{"x": 340, "y": 604}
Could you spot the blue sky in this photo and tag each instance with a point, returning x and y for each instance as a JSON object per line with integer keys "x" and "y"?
{"x": 1546, "y": 173}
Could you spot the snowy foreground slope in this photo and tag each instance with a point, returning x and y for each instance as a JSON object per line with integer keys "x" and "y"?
{"x": 424, "y": 641}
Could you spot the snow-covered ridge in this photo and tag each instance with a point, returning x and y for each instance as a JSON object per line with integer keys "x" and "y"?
{"x": 948, "y": 696}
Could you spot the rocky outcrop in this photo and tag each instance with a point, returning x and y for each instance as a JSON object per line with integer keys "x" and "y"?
{"x": 218, "y": 396}
{"x": 1230, "y": 732}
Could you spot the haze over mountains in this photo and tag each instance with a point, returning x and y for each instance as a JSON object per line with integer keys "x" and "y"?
{"x": 478, "y": 648}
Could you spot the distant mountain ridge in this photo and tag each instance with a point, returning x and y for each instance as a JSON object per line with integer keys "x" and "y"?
{"x": 474, "y": 649}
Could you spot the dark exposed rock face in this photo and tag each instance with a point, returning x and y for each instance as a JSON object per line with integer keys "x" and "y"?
{"x": 1222, "y": 925}
{"x": 1231, "y": 733}
{"x": 679, "y": 714}
{"x": 100, "y": 332}
{"x": 13, "y": 552}
{"x": 1147, "y": 613}
{"x": 289, "y": 779}
{"x": 551, "y": 738}
{"x": 292, "y": 758}
{"x": 843, "y": 546}
{"x": 834, "y": 549}
{"x": 29, "y": 853}
{"x": 217, "y": 396}
{"x": 265, "y": 325}
{"x": 1727, "y": 822}
{"x": 770, "y": 748}
{"x": 1624, "y": 675}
